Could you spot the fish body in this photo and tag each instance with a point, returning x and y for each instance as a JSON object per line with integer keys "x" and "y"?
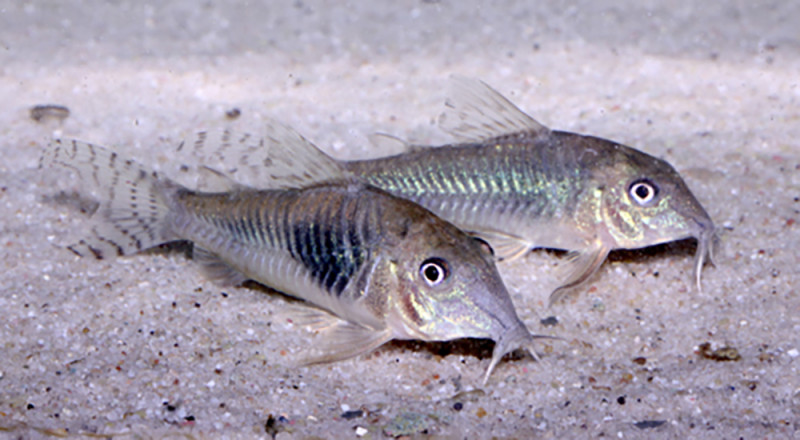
{"x": 379, "y": 266}
{"x": 555, "y": 190}
{"x": 521, "y": 186}
{"x": 513, "y": 186}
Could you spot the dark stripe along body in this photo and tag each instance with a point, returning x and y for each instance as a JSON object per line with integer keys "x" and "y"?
{"x": 328, "y": 230}
{"x": 376, "y": 267}
{"x": 359, "y": 252}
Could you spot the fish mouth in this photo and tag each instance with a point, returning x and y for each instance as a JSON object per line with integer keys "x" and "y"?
{"x": 707, "y": 236}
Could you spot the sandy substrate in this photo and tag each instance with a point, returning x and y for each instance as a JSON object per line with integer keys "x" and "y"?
{"x": 144, "y": 346}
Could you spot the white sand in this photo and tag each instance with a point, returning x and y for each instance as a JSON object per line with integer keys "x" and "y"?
{"x": 144, "y": 346}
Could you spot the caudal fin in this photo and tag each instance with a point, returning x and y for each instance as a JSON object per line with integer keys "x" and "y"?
{"x": 133, "y": 208}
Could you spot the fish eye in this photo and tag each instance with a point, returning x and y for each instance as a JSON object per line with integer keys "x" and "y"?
{"x": 643, "y": 191}
{"x": 434, "y": 271}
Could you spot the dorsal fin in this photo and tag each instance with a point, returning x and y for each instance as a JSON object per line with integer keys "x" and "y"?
{"x": 278, "y": 158}
{"x": 211, "y": 180}
{"x": 475, "y": 112}
{"x": 389, "y": 143}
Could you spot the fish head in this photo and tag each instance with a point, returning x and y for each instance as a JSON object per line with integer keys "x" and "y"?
{"x": 645, "y": 202}
{"x": 448, "y": 287}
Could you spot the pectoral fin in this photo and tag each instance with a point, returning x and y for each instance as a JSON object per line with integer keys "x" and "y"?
{"x": 506, "y": 247}
{"x": 581, "y": 266}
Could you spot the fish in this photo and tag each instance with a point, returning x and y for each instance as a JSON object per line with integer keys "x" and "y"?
{"x": 372, "y": 267}
{"x": 521, "y": 186}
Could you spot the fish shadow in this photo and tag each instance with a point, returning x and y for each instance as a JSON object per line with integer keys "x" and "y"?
{"x": 680, "y": 248}
{"x": 479, "y": 348}
{"x": 465, "y": 347}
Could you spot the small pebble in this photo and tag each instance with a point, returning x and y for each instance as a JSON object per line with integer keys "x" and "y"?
{"x": 793, "y": 353}
{"x": 361, "y": 431}
{"x": 270, "y": 426}
{"x": 550, "y": 321}
{"x": 233, "y": 113}
{"x": 45, "y": 112}
{"x": 469, "y": 396}
{"x": 649, "y": 424}
{"x": 722, "y": 354}
{"x": 407, "y": 424}
{"x": 347, "y": 415}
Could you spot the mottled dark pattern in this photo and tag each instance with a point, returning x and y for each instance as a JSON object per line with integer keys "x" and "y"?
{"x": 315, "y": 228}
{"x": 331, "y": 259}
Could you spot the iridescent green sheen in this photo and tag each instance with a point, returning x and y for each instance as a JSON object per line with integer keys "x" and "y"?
{"x": 537, "y": 188}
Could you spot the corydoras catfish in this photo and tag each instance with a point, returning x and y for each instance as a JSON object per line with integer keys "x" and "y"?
{"x": 376, "y": 267}
{"x": 521, "y": 185}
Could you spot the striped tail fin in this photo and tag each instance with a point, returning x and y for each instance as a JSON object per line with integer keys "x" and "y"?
{"x": 134, "y": 209}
